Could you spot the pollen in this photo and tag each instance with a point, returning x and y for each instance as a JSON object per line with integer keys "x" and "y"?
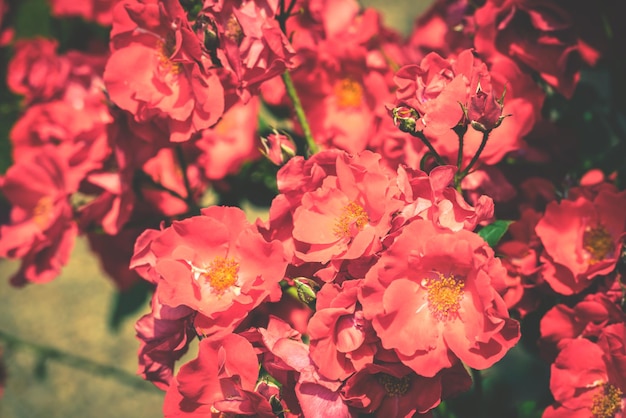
{"x": 607, "y": 402}
{"x": 444, "y": 296}
{"x": 394, "y": 386}
{"x": 233, "y": 30}
{"x": 353, "y": 219}
{"x": 598, "y": 243}
{"x": 42, "y": 213}
{"x": 349, "y": 93}
{"x": 222, "y": 274}
{"x": 165, "y": 51}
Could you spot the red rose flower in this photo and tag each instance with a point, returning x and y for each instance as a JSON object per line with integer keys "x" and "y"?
{"x": 587, "y": 379}
{"x": 223, "y": 370}
{"x": 342, "y": 341}
{"x": 544, "y": 36}
{"x": 171, "y": 78}
{"x": 36, "y": 71}
{"x": 431, "y": 301}
{"x": 446, "y": 93}
{"x": 41, "y": 228}
{"x": 251, "y": 44}
{"x": 586, "y": 319}
{"x": 581, "y": 237}
{"x": 216, "y": 264}
{"x": 165, "y": 334}
{"x": 346, "y": 216}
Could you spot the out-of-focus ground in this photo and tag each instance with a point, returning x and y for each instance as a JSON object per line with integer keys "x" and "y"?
{"x": 71, "y": 314}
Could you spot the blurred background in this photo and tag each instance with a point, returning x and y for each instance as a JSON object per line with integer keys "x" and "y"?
{"x": 81, "y": 313}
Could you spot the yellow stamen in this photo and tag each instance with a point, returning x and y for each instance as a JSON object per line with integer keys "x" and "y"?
{"x": 394, "y": 386}
{"x": 444, "y": 296}
{"x": 42, "y": 213}
{"x": 353, "y": 217}
{"x": 598, "y": 243}
{"x": 607, "y": 402}
{"x": 349, "y": 93}
{"x": 233, "y": 30}
{"x": 222, "y": 274}
{"x": 165, "y": 51}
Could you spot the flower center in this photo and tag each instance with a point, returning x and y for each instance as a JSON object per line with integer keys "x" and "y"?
{"x": 233, "y": 30}
{"x": 598, "y": 243}
{"x": 444, "y": 296}
{"x": 42, "y": 213}
{"x": 165, "y": 51}
{"x": 353, "y": 219}
{"x": 349, "y": 93}
{"x": 394, "y": 386}
{"x": 222, "y": 273}
{"x": 607, "y": 402}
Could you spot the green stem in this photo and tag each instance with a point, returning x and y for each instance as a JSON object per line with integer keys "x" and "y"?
{"x": 422, "y": 137}
{"x": 460, "y": 132}
{"x": 477, "y": 399}
{"x": 297, "y": 105}
{"x": 476, "y": 156}
{"x": 144, "y": 177}
{"x": 282, "y": 17}
{"x": 81, "y": 363}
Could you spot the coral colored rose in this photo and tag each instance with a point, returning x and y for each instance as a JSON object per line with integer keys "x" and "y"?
{"x": 215, "y": 380}
{"x": 437, "y": 285}
{"x": 581, "y": 237}
{"x": 584, "y": 380}
{"x": 287, "y": 359}
{"x": 391, "y": 389}
{"x": 543, "y": 36}
{"x": 41, "y": 229}
{"x": 334, "y": 206}
{"x": 165, "y": 334}
{"x": 341, "y": 340}
{"x": 216, "y": 264}
{"x": 433, "y": 197}
{"x": 346, "y": 217}
{"x": 344, "y": 75}
{"x": 252, "y": 46}
{"x": 586, "y": 319}
{"x": 171, "y": 79}
{"x": 439, "y": 90}
{"x": 36, "y": 71}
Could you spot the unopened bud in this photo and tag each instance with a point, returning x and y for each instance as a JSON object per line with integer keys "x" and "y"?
{"x": 307, "y": 289}
{"x": 405, "y": 118}
{"x": 278, "y": 147}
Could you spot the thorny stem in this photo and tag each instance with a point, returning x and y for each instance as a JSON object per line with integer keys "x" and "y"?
{"x": 80, "y": 363}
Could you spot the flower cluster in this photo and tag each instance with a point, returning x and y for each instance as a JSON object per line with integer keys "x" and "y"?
{"x": 420, "y": 199}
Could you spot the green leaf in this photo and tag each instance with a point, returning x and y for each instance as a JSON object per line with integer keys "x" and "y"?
{"x": 529, "y": 409}
{"x": 494, "y": 232}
